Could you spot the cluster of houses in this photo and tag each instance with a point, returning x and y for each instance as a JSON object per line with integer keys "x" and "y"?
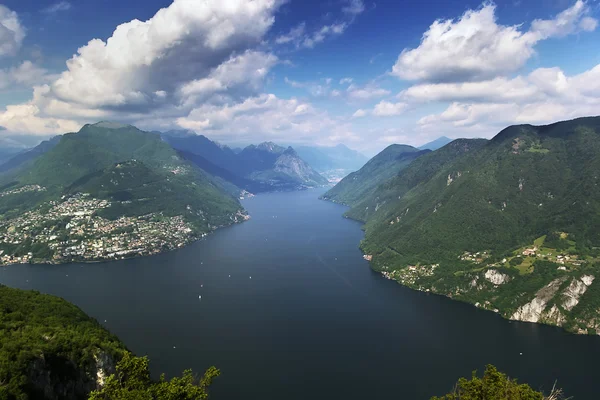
{"x": 23, "y": 189}
{"x": 72, "y": 231}
{"x": 409, "y": 275}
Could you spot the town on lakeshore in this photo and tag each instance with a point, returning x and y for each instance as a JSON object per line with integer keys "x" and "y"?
{"x": 70, "y": 230}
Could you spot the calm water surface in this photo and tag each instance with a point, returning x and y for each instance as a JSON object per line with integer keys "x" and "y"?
{"x": 290, "y": 310}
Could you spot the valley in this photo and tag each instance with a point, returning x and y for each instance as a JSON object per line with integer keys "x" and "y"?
{"x": 112, "y": 191}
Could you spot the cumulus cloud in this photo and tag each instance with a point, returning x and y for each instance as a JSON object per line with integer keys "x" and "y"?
{"x": 475, "y": 47}
{"x": 26, "y": 73}
{"x": 245, "y": 73}
{"x": 181, "y": 42}
{"x": 12, "y": 32}
{"x": 345, "y": 81}
{"x": 388, "y": 109}
{"x": 190, "y": 51}
{"x": 544, "y": 96}
{"x": 273, "y": 117}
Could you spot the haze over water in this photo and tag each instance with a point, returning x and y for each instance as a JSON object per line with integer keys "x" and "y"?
{"x": 290, "y": 310}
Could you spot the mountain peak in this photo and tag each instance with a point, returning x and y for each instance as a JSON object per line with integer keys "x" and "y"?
{"x": 436, "y": 144}
{"x": 270, "y": 147}
{"x": 110, "y": 125}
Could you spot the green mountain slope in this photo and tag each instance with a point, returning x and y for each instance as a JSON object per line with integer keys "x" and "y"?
{"x": 50, "y": 348}
{"x": 360, "y": 184}
{"x": 418, "y": 171}
{"x": 510, "y": 225}
{"x": 109, "y": 191}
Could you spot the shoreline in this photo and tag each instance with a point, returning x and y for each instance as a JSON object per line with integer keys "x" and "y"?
{"x": 108, "y": 260}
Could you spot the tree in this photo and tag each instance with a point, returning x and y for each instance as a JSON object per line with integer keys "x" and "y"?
{"x": 132, "y": 382}
{"x": 495, "y": 385}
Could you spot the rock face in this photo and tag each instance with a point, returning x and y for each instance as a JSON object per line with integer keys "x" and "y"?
{"x": 496, "y": 277}
{"x": 291, "y": 164}
{"x": 565, "y": 300}
{"x": 575, "y": 290}
{"x": 61, "y": 378}
{"x": 532, "y": 311}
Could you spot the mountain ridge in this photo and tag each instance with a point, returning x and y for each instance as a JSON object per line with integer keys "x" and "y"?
{"x": 495, "y": 225}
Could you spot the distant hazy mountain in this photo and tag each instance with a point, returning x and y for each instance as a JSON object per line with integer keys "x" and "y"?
{"x": 272, "y": 163}
{"x": 358, "y": 185}
{"x": 262, "y": 167}
{"x": 189, "y": 142}
{"x": 7, "y": 153}
{"x": 24, "y": 157}
{"x": 330, "y": 158}
{"x": 436, "y": 144}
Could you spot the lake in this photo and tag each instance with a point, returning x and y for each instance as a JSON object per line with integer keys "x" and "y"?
{"x": 290, "y": 310}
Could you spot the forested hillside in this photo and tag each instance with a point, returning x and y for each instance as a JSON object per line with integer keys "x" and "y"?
{"x": 51, "y": 350}
{"x": 360, "y": 184}
{"x": 109, "y": 191}
{"x": 510, "y": 225}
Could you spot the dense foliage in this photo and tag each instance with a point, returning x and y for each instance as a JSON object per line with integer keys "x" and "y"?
{"x": 50, "y": 349}
{"x": 475, "y": 204}
{"x": 494, "y": 385}
{"x": 132, "y": 382}
{"x": 385, "y": 165}
{"x": 48, "y": 345}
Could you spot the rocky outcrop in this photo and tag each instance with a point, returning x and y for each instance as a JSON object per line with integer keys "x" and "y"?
{"x": 496, "y": 277}
{"x": 291, "y": 164}
{"x": 575, "y": 290}
{"x": 538, "y": 310}
{"x": 532, "y": 311}
{"x": 54, "y": 378}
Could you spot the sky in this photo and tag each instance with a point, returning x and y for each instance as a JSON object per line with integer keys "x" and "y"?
{"x": 321, "y": 72}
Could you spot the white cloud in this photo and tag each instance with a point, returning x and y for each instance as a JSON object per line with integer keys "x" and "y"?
{"x": 354, "y": 7}
{"x": 246, "y": 71}
{"x": 301, "y": 37}
{"x": 25, "y": 118}
{"x": 56, "y": 7}
{"x": 180, "y": 43}
{"x": 12, "y": 32}
{"x": 359, "y": 113}
{"x": 317, "y": 89}
{"x": 475, "y": 47}
{"x": 187, "y": 52}
{"x": 368, "y": 92}
{"x": 567, "y": 22}
{"x": 387, "y": 109}
{"x": 294, "y": 35}
{"x": 497, "y": 90}
{"x": 545, "y": 95}
{"x": 345, "y": 81}
{"x": 25, "y": 74}
{"x": 326, "y": 31}
{"x": 276, "y": 119}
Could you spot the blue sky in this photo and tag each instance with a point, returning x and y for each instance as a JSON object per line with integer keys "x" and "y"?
{"x": 363, "y": 73}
